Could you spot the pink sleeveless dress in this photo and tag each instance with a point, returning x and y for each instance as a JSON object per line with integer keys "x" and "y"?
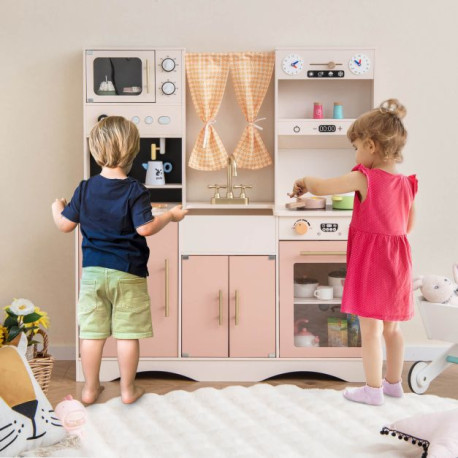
{"x": 379, "y": 265}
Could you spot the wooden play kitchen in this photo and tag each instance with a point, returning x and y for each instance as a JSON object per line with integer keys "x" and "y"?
{"x": 241, "y": 289}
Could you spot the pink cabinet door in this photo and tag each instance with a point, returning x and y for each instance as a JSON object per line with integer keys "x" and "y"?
{"x": 163, "y": 292}
{"x": 205, "y": 330}
{"x": 251, "y": 306}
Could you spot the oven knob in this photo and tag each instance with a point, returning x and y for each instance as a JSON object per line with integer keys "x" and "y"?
{"x": 168, "y": 88}
{"x": 301, "y": 227}
{"x": 168, "y": 64}
{"x": 135, "y": 119}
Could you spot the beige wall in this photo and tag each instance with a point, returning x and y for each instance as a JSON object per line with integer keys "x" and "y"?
{"x": 41, "y": 46}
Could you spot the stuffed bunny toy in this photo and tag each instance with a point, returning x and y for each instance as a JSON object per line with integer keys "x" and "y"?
{"x": 438, "y": 289}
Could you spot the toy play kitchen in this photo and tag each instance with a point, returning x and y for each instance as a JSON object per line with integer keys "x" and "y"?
{"x": 242, "y": 289}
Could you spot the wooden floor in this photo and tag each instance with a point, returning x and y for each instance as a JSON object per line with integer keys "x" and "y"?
{"x": 63, "y": 383}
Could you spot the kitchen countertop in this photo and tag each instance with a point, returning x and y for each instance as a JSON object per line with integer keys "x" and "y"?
{"x": 281, "y": 210}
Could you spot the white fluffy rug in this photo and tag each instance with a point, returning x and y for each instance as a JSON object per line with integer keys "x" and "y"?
{"x": 259, "y": 421}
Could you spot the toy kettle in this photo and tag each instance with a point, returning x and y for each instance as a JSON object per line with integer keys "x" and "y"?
{"x": 154, "y": 173}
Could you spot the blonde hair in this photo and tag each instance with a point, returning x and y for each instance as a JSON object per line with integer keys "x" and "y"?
{"x": 382, "y": 125}
{"x": 114, "y": 142}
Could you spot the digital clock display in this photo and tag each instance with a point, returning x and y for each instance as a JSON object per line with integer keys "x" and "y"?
{"x": 326, "y": 128}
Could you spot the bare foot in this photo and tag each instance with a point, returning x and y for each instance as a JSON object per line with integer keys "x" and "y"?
{"x": 131, "y": 394}
{"x": 90, "y": 396}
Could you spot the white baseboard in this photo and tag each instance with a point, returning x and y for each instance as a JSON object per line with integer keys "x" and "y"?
{"x": 62, "y": 352}
{"x": 412, "y": 352}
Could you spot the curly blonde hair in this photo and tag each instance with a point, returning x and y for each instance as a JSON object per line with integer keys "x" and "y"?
{"x": 114, "y": 142}
{"x": 383, "y": 125}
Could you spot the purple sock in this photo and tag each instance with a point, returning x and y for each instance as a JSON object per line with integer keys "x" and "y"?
{"x": 365, "y": 394}
{"x": 393, "y": 389}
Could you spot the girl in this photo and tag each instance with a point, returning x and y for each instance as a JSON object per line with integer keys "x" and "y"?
{"x": 378, "y": 284}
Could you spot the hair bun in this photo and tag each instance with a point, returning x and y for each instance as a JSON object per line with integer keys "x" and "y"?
{"x": 393, "y": 106}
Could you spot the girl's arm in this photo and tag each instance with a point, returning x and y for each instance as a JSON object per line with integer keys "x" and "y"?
{"x": 411, "y": 219}
{"x": 62, "y": 223}
{"x": 353, "y": 181}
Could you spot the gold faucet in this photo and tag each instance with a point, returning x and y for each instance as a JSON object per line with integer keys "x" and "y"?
{"x": 230, "y": 199}
{"x": 231, "y": 172}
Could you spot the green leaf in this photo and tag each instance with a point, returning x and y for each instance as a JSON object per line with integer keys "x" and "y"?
{"x": 10, "y": 313}
{"x": 31, "y": 317}
{"x": 10, "y": 322}
{"x": 13, "y": 332}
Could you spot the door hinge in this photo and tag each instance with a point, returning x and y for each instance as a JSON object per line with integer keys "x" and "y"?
{"x": 271, "y": 355}
{"x": 185, "y": 355}
{"x": 185, "y": 257}
{"x": 272, "y": 257}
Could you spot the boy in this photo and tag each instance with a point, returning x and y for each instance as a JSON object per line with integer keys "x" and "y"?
{"x": 114, "y": 213}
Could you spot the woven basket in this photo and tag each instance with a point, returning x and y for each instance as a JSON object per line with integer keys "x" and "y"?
{"x": 42, "y": 363}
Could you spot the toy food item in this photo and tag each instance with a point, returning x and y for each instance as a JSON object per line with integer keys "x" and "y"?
{"x": 72, "y": 414}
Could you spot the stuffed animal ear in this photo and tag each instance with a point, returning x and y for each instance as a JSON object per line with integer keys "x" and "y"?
{"x": 20, "y": 341}
{"x": 455, "y": 272}
{"x": 417, "y": 282}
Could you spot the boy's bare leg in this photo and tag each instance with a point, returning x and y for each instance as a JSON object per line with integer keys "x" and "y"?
{"x": 128, "y": 356}
{"x": 91, "y": 358}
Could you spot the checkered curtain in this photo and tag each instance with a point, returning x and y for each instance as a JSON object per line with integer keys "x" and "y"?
{"x": 251, "y": 73}
{"x": 207, "y": 77}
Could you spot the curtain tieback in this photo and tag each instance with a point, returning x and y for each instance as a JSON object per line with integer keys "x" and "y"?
{"x": 255, "y": 125}
{"x": 207, "y": 131}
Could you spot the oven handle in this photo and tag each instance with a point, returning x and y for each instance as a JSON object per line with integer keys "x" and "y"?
{"x": 147, "y": 76}
{"x": 323, "y": 253}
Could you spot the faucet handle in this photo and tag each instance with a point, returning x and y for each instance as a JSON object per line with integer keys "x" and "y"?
{"x": 216, "y": 187}
{"x": 243, "y": 187}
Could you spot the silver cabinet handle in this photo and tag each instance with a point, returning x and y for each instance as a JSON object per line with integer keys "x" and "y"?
{"x": 220, "y": 318}
{"x": 237, "y": 307}
{"x": 167, "y": 296}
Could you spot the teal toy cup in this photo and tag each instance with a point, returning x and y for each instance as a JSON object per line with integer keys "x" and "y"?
{"x": 338, "y": 111}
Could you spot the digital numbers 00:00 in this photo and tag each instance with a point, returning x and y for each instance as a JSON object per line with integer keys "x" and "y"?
{"x": 327, "y": 128}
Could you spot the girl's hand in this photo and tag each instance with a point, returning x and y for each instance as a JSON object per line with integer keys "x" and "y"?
{"x": 299, "y": 188}
{"x": 178, "y": 213}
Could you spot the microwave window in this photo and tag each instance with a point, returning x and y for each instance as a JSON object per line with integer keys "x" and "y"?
{"x": 118, "y": 76}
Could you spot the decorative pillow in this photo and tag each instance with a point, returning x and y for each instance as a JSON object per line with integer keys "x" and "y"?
{"x": 436, "y": 433}
{"x": 27, "y": 419}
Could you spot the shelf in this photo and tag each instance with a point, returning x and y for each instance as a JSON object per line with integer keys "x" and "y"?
{"x": 165, "y": 186}
{"x": 311, "y": 301}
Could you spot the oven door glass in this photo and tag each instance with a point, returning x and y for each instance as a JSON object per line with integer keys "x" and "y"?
{"x": 120, "y": 76}
{"x": 312, "y": 279}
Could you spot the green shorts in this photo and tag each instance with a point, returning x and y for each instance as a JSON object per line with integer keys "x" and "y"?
{"x": 114, "y": 303}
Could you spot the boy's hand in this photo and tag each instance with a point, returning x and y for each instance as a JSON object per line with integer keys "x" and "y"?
{"x": 299, "y": 188}
{"x": 178, "y": 213}
{"x": 59, "y": 204}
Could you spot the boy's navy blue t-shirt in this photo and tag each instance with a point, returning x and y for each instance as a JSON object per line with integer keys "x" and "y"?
{"x": 109, "y": 211}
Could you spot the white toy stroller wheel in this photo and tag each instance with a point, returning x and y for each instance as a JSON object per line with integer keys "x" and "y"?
{"x": 418, "y": 379}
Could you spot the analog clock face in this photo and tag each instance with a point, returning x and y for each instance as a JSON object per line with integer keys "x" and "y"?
{"x": 359, "y": 64}
{"x": 292, "y": 64}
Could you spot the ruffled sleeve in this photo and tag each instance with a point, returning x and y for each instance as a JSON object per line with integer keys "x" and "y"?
{"x": 361, "y": 168}
{"x": 413, "y": 183}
